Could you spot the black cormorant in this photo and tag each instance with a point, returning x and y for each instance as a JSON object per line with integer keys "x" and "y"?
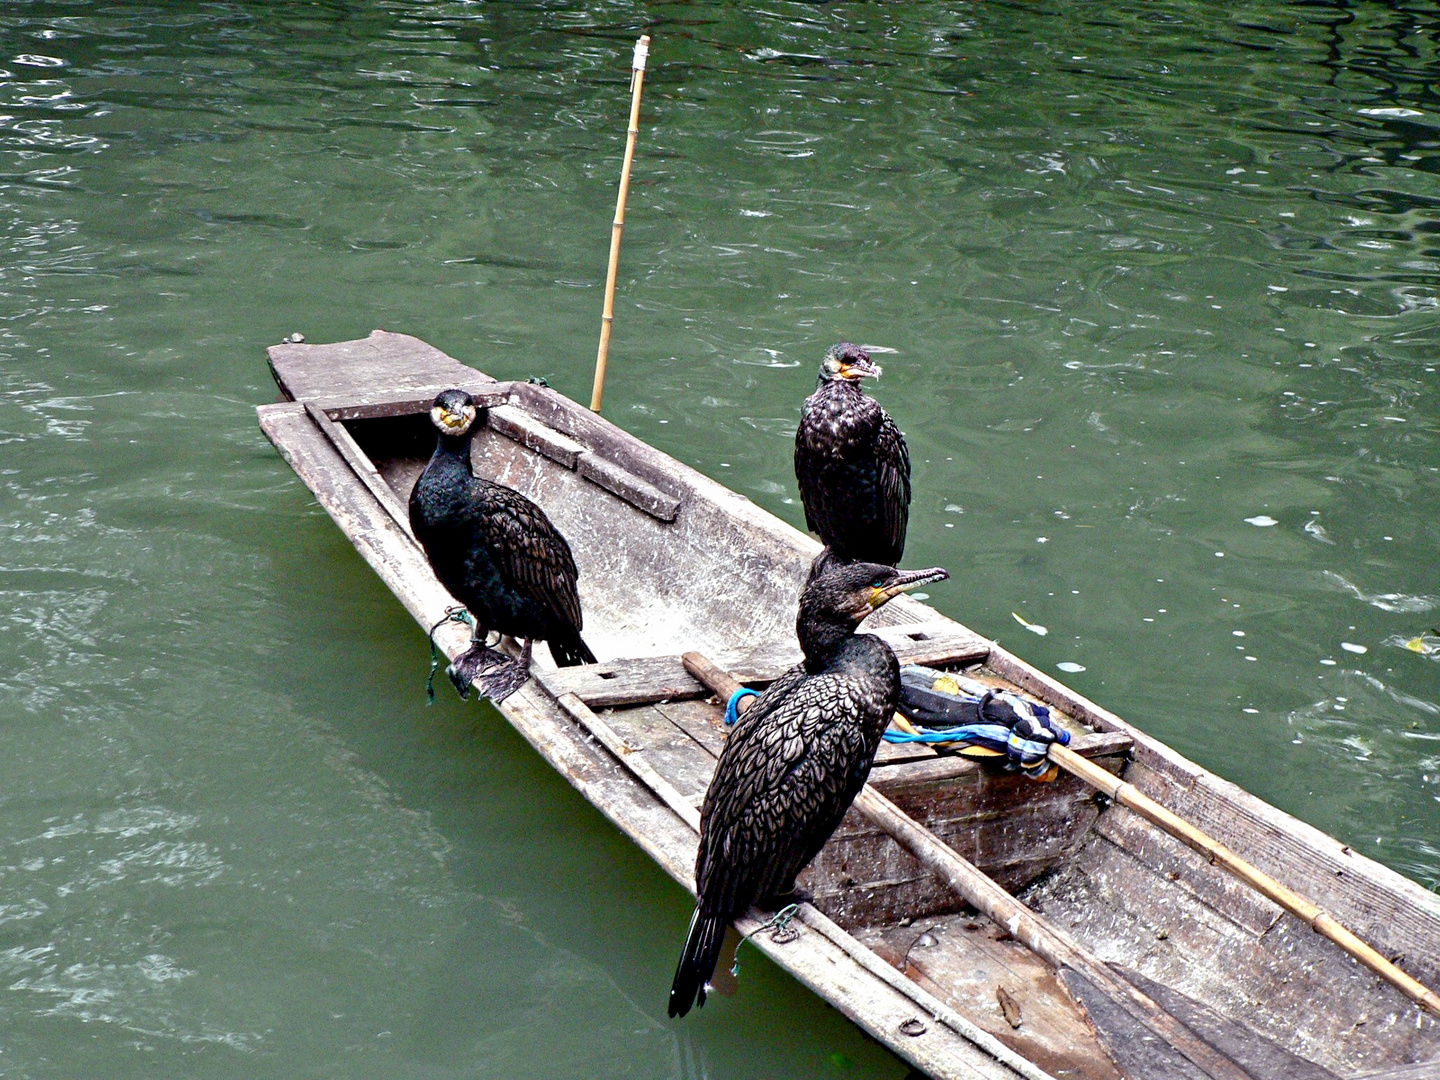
{"x": 498, "y": 554}
{"x": 794, "y": 762}
{"x": 851, "y": 464}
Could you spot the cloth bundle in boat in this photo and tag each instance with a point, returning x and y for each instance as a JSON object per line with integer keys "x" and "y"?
{"x": 964, "y": 716}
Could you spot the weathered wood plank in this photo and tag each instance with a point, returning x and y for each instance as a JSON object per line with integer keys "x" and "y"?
{"x": 637, "y": 681}
{"x": 516, "y": 424}
{"x": 964, "y": 958}
{"x": 364, "y": 469}
{"x": 620, "y": 481}
{"x": 1288, "y": 984}
{"x": 1165, "y": 855}
{"x": 683, "y": 763}
{"x": 384, "y": 374}
{"x": 1259, "y": 1056}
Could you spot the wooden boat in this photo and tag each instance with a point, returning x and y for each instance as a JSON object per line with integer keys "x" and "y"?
{"x": 672, "y": 561}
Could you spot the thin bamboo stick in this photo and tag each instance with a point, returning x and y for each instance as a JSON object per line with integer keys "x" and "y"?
{"x": 1321, "y": 921}
{"x": 607, "y": 317}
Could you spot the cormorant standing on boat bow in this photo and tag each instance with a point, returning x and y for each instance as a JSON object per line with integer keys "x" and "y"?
{"x": 794, "y": 762}
{"x": 851, "y": 464}
{"x": 498, "y": 554}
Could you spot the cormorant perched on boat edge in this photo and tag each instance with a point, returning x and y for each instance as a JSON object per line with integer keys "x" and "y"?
{"x": 851, "y": 464}
{"x": 498, "y": 554}
{"x": 794, "y": 762}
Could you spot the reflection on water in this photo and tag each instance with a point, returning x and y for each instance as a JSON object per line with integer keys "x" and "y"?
{"x": 1156, "y": 284}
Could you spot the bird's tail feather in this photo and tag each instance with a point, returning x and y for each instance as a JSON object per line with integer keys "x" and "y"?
{"x": 569, "y": 648}
{"x": 697, "y": 962}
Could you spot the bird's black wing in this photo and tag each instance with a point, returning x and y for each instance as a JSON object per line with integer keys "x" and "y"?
{"x": 809, "y": 460}
{"x": 530, "y": 552}
{"x": 783, "y": 782}
{"x": 892, "y": 459}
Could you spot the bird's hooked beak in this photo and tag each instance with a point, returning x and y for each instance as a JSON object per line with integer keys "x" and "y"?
{"x": 860, "y": 369}
{"x": 908, "y": 579}
{"x": 453, "y": 421}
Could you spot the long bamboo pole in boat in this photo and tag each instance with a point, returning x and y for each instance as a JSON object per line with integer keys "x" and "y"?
{"x": 1320, "y": 920}
{"x": 607, "y": 318}
{"x": 1049, "y": 942}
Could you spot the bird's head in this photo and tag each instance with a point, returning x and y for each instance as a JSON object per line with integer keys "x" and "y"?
{"x": 848, "y": 362}
{"x": 453, "y": 412}
{"x": 842, "y": 595}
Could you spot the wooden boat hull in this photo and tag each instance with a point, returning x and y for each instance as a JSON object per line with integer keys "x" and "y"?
{"x": 672, "y": 561}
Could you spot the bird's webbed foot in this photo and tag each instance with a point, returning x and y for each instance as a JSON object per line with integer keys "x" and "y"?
{"x": 500, "y": 682}
{"x": 475, "y": 666}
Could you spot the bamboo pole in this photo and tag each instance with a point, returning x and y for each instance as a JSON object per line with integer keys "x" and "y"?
{"x": 607, "y": 317}
{"x": 1321, "y": 921}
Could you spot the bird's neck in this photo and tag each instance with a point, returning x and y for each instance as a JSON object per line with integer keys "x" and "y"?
{"x": 821, "y": 640}
{"x": 454, "y": 449}
{"x": 837, "y": 384}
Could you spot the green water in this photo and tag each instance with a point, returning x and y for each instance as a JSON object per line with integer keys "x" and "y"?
{"x": 1138, "y": 272}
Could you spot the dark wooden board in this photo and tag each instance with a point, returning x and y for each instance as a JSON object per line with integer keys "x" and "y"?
{"x": 1260, "y": 1057}
{"x": 965, "y": 959}
{"x": 1138, "y": 1053}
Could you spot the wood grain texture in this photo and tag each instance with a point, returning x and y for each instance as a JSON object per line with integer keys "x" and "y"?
{"x": 964, "y": 959}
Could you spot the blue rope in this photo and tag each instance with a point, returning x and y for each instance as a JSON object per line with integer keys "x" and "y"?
{"x": 732, "y": 707}
{"x": 452, "y": 614}
{"x": 995, "y": 735}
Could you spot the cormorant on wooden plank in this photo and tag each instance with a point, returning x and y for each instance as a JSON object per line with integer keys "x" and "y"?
{"x": 498, "y": 554}
{"x": 851, "y": 464}
{"x": 794, "y": 762}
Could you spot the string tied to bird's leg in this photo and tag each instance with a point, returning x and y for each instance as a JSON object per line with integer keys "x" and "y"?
{"x": 456, "y": 614}
{"x": 781, "y": 932}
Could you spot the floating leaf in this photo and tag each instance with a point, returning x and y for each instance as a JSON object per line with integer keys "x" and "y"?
{"x": 1033, "y": 627}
